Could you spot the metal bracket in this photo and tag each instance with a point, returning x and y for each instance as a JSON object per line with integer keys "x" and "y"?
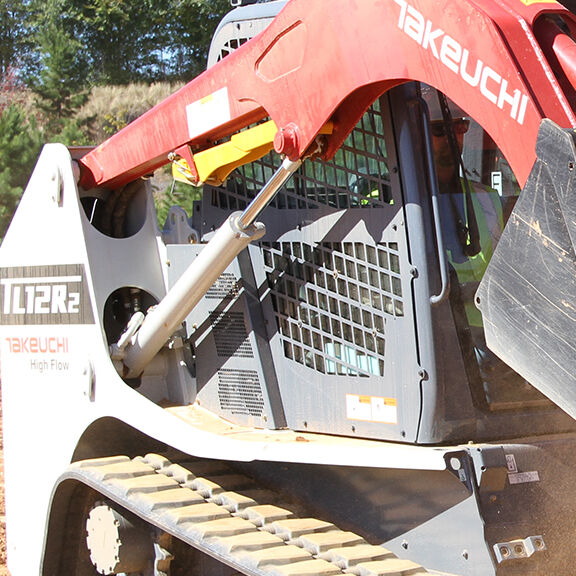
{"x": 515, "y": 549}
{"x": 490, "y": 467}
{"x": 57, "y": 183}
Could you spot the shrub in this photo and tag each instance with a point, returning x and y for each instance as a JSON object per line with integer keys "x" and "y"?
{"x": 110, "y": 108}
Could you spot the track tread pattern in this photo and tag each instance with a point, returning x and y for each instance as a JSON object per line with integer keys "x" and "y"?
{"x": 389, "y": 567}
{"x": 198, "y": 503}
{"x": 349, "y": 557}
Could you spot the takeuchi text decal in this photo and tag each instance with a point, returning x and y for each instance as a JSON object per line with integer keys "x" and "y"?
{"x": 457, "y": 58}
{"x": 37, "y": 344}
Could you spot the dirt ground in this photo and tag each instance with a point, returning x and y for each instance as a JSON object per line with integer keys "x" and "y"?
{"x": 3, "y": 569}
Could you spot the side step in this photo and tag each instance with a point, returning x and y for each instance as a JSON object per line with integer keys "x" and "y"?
{"x": 197, "y": 506}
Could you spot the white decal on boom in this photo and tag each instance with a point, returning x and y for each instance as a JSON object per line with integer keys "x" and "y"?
{"x": 457, "y": 58}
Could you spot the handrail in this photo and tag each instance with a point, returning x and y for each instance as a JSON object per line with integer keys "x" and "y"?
{"x": 435, "y": 299}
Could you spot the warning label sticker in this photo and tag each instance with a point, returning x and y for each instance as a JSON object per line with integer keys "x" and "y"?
{"x": 524, "y": 477}
{"x": 208, "y": 113}
{"x": 372, "y": 409}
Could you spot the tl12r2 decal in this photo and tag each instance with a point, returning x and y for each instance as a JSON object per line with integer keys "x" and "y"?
{"x": 44, "y": 295}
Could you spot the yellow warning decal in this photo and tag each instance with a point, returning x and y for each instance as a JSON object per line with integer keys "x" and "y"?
{"x": 372, "y": 409}
{"x": 530, "y": 2}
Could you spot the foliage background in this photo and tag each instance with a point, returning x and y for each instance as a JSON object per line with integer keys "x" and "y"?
{"x": 76, "y": 71}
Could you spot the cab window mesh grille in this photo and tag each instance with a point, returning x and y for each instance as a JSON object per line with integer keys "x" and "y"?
{"x": 332, "y": 302}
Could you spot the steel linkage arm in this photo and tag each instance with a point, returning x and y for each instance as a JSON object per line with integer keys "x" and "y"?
{"x": 231, "y": 238}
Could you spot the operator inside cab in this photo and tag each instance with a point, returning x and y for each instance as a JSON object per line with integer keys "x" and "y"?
{"x": 471, "y": 211}
{"x": 477, "y": 191}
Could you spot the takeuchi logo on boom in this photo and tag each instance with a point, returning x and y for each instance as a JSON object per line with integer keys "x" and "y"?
{"x": 457, "y": 58}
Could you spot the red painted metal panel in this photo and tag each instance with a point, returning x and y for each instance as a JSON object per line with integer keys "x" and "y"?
{"x": 329, "y": 59}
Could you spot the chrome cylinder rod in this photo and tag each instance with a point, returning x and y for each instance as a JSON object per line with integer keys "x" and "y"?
{"x": 163, "y": 320}
{"x": 230, "y": 239}
{"x": 266, "y": 195}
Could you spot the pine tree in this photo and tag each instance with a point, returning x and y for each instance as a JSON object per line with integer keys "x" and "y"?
{"x": 60, "y": 83}
{"x": 14, "y": 35}
{"x": 20, "y": 143}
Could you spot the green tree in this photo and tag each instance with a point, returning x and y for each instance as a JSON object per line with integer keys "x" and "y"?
{"x": 115, "y": 34}
{"x": 187, "y": 34}
{"x": 14, "y": 35}
{"x": 105, "y": 42}
{"x": 60, "y": 80}
{"x": 20, "y": 143}
{"x": 127, "y": 41}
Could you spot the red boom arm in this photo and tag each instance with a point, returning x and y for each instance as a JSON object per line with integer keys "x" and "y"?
{"x": 329, "y": 59}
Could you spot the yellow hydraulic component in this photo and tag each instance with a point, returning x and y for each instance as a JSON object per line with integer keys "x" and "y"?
{"x": 215, "y": 164}
{"x": 181, "y": 171}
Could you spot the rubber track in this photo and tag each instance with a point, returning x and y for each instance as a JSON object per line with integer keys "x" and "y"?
{"x": 194, "y": 503}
